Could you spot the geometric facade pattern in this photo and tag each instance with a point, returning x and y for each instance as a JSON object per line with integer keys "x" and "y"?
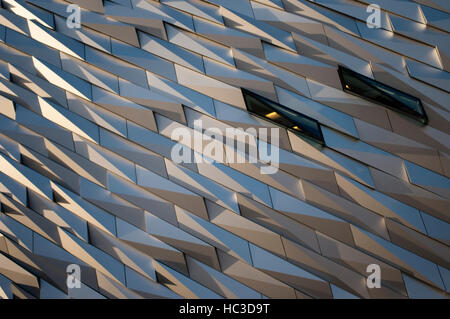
{"x": 87, "y": 177}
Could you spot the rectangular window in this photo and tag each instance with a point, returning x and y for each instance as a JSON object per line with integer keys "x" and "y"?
{"x": 283, "y": 116}
{"x": 380, "y": 93}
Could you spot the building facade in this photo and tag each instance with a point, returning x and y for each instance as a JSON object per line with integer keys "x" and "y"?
{"x": 224, "y": 149}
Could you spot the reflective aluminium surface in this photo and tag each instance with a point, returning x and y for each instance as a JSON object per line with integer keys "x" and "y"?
{"x": 100, "y": 99}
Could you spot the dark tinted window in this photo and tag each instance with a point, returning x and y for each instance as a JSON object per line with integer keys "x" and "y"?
{"x": 377, "y": 92}
{"x": 283, "y": 116}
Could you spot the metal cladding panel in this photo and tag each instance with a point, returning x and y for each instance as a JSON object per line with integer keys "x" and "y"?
{"x": 99, "y": 100}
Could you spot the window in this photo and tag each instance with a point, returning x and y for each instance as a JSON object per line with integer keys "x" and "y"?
{"x": 377, "y": 92}
{"x": 283, "y": 116}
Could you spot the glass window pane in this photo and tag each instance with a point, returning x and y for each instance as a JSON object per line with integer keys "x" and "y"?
{"x": 378, "y": 92}
{"x": 283, "y": 116}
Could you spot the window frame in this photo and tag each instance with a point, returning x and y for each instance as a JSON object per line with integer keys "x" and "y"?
{"x": 267, "y": 102}
{"x": 399, "y": 107}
